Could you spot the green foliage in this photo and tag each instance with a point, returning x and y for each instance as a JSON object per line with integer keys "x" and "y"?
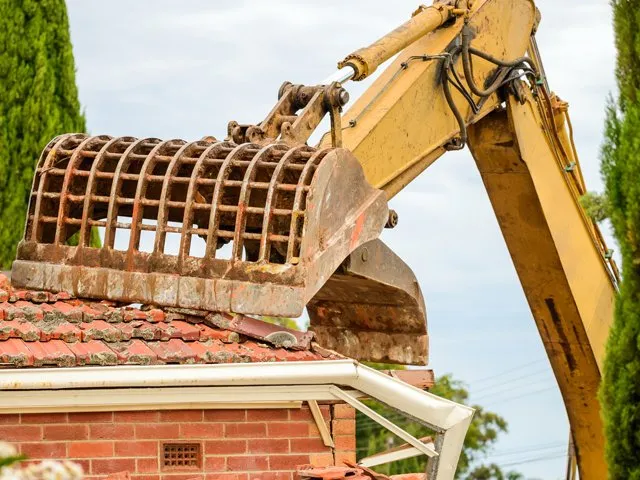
{"x": 596, "y": 206}
{"x": 493, "y": 472}
{"x": 38, "y": 100}
{"x": 289, "y": 323}
{"x": 94, "y": 239}
{"x": 11, "y": 460}
{"x": 620, "y": 391}
{"x": 482, "y": 435}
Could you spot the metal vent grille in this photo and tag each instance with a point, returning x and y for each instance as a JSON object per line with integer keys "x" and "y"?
{"x": 181, "y": 456}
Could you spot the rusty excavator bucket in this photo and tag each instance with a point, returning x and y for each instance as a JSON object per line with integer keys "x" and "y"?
{"x": 258, "y": 224}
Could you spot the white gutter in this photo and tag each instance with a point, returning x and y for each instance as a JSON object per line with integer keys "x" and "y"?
{"x": 449, "y": 419}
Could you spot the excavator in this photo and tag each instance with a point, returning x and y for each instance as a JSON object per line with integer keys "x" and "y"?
{"x": 261, "y": 223}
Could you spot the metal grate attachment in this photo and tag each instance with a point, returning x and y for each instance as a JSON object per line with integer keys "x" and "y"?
{"x": 246, "y": 195}
{"x": 181, "y": 456}
{"x": 287, "y": 216}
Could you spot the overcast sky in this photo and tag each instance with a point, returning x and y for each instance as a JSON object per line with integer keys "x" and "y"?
{"x": 183, "y": 69}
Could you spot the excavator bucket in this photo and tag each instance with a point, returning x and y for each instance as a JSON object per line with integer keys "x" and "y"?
{"x": 255, "y": 229}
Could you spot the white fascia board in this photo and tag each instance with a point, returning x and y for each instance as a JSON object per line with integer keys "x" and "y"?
{"x": 145, "y": 376}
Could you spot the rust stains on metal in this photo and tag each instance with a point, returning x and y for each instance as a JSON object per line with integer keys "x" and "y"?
{"x": 372, "y": 309}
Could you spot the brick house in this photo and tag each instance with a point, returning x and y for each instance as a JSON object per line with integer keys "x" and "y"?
{"x": 151, "y": 439}
{"x": 176, "y": 394}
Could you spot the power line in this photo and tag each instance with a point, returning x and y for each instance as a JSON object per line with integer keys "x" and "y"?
{"x": 510, "y": 389}
{"x": 533, "y": 460}
{"x": 545, "y": 451}
{"x": 514, "y": 369}
{"x": 526, "y": 394}
{"x": 526, "y": 449}
{"x": 515, "y": 380}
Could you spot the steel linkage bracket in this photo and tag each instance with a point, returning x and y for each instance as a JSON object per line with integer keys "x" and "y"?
{"x": 299, "y": 111}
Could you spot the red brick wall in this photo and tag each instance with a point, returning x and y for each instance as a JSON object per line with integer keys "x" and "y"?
{"x": 235, "y": 444}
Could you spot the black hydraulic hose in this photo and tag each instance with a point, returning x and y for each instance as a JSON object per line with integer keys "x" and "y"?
{"x": 500, "y": 63}
{"x": 465, "y": 94}
{"x": 457, "y": 82}
{"x": 467, "y": 50}
{"x": 454, "y": 145}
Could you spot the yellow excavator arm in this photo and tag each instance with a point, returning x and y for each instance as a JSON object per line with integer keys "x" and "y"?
{"x": 438, "y": 95}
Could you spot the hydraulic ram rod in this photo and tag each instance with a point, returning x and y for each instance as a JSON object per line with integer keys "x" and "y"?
{"x": 366, "y": 60}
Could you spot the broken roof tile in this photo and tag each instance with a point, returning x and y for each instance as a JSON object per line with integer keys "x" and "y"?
{"x": 90, "y": 313}
{"x": 274, "y": 334}
{"x": 349, "y": 472}
{"x": 208, "y": 333}
{"x": 309, "y": 472}
{"x": 184, "y": 330}
{"x": 151, "y": 331}
{"x": 134, "y": 352}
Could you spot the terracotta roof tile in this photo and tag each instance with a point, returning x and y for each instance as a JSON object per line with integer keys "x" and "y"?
{"x": 68, "y": 332}
{"x": 134, "y": 352}
{"x": 20, "y": 328}
{"x": 208, "y": 333}
{"x": 53, "y": 352}
{"x": 93, "y": 353}
{"x": 173, "y": 351}
{"x": 349, "y": 472}
{"x": 15, "y": 352}
{"x": 184, "y": 330}
{"x": 42, "y": 329}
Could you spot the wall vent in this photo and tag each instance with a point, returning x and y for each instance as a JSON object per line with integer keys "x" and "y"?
{"x": 181, "y": 456}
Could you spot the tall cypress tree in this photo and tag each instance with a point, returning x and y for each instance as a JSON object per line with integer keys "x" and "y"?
{"x": 620, "y": 393}
{"x": 38, "y": 100}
